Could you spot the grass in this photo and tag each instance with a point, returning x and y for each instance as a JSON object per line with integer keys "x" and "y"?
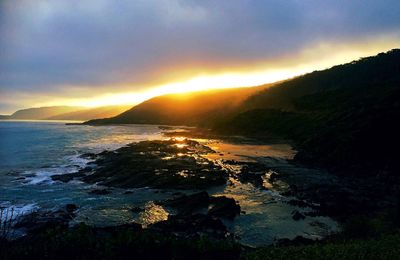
{"x": 385, "y": 247}
{"x": 84, "y": 242}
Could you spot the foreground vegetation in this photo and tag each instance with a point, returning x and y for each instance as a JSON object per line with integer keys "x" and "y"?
{"x": 84, "y": 242}
{"x": 376, "y": 237}
{"x": 386, "y": 247}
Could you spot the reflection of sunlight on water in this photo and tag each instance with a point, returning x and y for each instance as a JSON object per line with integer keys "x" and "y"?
{"x": 152, "y": 213}
{"x": 228, "y": 167}
{"x": 179, "y": 138}
{"x": 244, "y": 152}
{"x": 180, "y": 146}
{"x": 103, "y": 216}
{"x": 183, "y": 173}
{"x": 249, "y": 197}
{"x": 266, "y": 215}
{"x": 266, "y": 179}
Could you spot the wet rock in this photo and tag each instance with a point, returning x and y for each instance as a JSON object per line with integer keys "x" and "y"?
{"x": 100, "y": 192}
{"x": 193, "y": 226}
{"x": 299, "y": 203}
{"x": 296, "y": 215}
{"x": 137, "y": 209}
{"x": 251, "y": 172}
{"x": 67, "y": 177}
{"x": 313, "y": 214}
{"x": 273, "y": 177}
{"x": 71, "y": 208}
{"x": 223, "y": 207}
{"x": 220, "y": 207}
{"x": 188, "y": 204}
{"x": 43, "y": 220}
{"x": 90, "y": 156}
{"x": 157, "y": 164}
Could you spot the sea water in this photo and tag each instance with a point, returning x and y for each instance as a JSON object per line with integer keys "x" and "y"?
{"x": 32, "y": 151}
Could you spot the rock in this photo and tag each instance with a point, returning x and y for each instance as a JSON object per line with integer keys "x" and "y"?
{"x": 71, "y": 208}
{"x": 299, "y": 203}
{"x": 163, "y": 164}
{"x": 90, "y": 156}
{"x": 67, "y": 177}
{"x": 296, "y": 215}
{"x": 223, "y": 207}
{"x": 136, "y": 209}
{"x": 220, "y": 207}
{"x": 188, "y": 204}
{"x": 273, "y": 177}
{"x": 193, "y": 226}
{"x": 43, "y": 220}
{"x": 100, "y": 192}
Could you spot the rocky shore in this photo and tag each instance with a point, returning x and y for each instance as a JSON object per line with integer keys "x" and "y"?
{"x": 170, "y": 164}
{"x": 191, "y": 213}
{"x": 195, "y": 216}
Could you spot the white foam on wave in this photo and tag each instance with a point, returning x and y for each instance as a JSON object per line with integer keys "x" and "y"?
{"x": 14, "y": 211}
{"x": 76, "y": 161}
{"x": 43, "y": 176}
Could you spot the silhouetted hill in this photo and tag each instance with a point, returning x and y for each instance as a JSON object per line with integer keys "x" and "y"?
{"x": 66, "y": 113}
{"x": 344, "y": 117}
{"x": 43, "y": 112}
{"x": 91, "y": 113}
{"x": 197, "y": 108}
{"x": 4, "y": 117}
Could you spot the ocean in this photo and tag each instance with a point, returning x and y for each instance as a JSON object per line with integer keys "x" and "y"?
{"x": 32, "y": 151}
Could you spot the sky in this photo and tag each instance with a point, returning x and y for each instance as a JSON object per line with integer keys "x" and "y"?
{"x": 104, "y": 52}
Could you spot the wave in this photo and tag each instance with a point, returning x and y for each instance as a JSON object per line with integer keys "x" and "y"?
{"x": 14, "y": 211}
{"x": 43, "y": 176}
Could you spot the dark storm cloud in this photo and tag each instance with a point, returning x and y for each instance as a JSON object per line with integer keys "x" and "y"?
{"x": 46, "y": 46}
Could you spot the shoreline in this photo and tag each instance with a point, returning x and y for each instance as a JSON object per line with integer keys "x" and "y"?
{"x": 281, "y": 171}
{"x": 195, "y": 144}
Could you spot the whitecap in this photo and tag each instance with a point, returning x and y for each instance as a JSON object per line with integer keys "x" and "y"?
{"x": 15, "y": 211}
{"x": 43, "y": 175}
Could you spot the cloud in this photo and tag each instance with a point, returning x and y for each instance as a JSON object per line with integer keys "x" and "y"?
{"x": 48, "y": 46}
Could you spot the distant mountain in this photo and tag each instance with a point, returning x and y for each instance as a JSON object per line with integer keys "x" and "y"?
{"x": 43, "y": 112}
{"x": 4, "y": 117}
{"x": 66, "y": 113}
{"x": 197, "y": 108}
{"x": 92, "y": 113}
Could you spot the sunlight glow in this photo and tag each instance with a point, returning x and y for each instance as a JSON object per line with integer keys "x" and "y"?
{"x": 228, "y": 80}
{"x": 318, "y": 57}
